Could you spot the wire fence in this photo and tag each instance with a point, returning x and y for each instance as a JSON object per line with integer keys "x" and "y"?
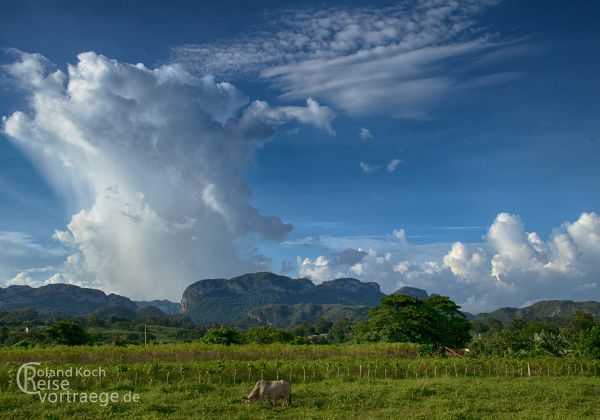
{"x": 238, "y": 372}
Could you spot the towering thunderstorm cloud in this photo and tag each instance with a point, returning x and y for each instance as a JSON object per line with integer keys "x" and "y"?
{"x": 152, "y": 161}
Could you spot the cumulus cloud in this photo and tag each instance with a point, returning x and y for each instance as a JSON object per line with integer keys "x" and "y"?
{"x": 151, "y": 162}
{"x": 29, "y": 278}
{"x": 22, "y": 279}
{"x": 510, "y": 267}
{"x": 348, "y": 263}
{"x": 399, "y": 234}
{"x": 368, "y": 168}
{"x": 365, "y": 133}
{"x": 393, "y": 165}
{"x": 313, "y": 113}
{"x": 396, "y": 60}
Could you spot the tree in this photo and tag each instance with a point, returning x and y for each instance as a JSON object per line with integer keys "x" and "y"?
{"x": 223, "y": 335}
{"x": 69, "y": 333}
{"x": 580, "y": 322}
{"x": 340, "y": 330}
{"x": 452, "y": 328}
{"x": 435, "y": 321}
{"x": 304, "y": 329}
{"x": 589, "y": 343}
{"x": 322, "y": 326}
{"x": 268, "y": 335}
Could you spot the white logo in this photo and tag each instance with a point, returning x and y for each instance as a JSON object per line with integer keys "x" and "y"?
{"x": 26, "y": 378}
{"x": 52, "y": 385}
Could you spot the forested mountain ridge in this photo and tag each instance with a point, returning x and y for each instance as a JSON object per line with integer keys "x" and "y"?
{"x": 231, "y": 301}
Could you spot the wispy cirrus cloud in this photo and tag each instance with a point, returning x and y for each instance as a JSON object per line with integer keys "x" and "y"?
{"x": 397, "y": 60}
{"x": 21, "y": 244}
{"x": 19, "y": 251}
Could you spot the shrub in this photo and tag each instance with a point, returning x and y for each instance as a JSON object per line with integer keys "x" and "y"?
{"x": 223, "y": 335}
{"x": 69, "y": 333}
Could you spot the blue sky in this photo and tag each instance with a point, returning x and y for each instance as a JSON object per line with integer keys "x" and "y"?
{"x": 486, "y": 108}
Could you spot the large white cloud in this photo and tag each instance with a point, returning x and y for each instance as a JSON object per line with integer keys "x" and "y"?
{"x": 511, "y": 267}
{"x": 151, "y": 161}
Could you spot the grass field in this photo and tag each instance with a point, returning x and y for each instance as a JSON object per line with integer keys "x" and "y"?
{"x": 352, "y": 381}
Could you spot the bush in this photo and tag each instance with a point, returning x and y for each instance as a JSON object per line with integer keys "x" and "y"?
{"x": 589, "y": 343}
{"x": 268, "y": 335}
{"x": 223, "y": 335}
{"x": 69, "y": 333}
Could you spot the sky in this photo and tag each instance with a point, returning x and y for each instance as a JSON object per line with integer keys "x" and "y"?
{"x": 446, "y": 145}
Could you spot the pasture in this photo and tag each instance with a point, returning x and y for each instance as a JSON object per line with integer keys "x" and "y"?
{"x": 346, "y": 381}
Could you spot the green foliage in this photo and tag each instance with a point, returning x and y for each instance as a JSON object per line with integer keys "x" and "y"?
{"x": 580, "y": 322}
{"x": 69, "y": 333}
{"x": 292, "y": 315}
{"x": 452, "y": 328}
{"x": 551, "y": 344}
{"x": 268, "y": 335}
{"x": 18, "y": 316}
{"x": 589, "y": 342}
{"x": 341, "y": 331}
{"x": 377, "y": 380}
{"x": 535, "y": 337}
{"x": 435, "y": 321}
{"x": 223, "y": 335}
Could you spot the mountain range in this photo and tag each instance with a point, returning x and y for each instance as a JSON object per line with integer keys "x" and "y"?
{"x": 267, "y": 298}
{"x": 253, "y": 299}
{"x": 545, "y": 309}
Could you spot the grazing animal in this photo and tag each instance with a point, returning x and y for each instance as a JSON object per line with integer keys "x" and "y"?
{"x": 271, "y": 391}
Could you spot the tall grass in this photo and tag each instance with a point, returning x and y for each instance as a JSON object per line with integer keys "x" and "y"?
{"x": 345, "y": 381}
{"x": 197, "y": 351}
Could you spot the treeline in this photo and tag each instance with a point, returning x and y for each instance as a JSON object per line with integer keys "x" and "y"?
{"x": 578, "y": 335}
{"x": 26, "y": 327}
{"x": 435, "y": 323}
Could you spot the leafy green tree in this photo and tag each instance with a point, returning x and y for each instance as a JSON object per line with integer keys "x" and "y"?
{"x": 69, "y": 333}
{"x": 268, "y": 335}
{"x": 589, "y": 343}
{"x": 322, "y": 326}
{"x": 435, "y": 321}
{"x": 580, "y": 322}
{"x": 223, "y": 335}
{"x": 341, "y": 330}
{"x": 304, "y": 329}
{"x": 452, "y": 328}
{"x": 486, "y": 326}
